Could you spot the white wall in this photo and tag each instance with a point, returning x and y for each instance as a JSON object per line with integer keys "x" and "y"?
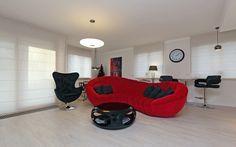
{"x": 222, "y": 96}
{"x": 229, "y": 17}
{"x": 154, "y": 49}
{"x": 127, "y": 61}
{"x": 179, "y": 70}
{"x": 31, "y": 32}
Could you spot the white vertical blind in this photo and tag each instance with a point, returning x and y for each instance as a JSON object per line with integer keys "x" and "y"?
{"x": 35, "y": 75}
{"x": 144, "y": 56}
{"x": 80, "y": 60}
{"x": 27, "y": 59}
{"x": 8, "y": 72}
{"x": 25, "y": 74}
{"x": 206, "y": 61}
{"x": 80, "y": 64}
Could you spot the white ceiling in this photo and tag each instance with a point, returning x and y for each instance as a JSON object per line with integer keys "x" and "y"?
{"x": 119, "y": 23}
{"x": 229, "y": 16}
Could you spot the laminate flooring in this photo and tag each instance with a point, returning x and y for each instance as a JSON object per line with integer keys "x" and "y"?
{"x": 192, "y": 127}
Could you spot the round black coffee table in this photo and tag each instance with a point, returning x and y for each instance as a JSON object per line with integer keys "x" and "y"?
{"x": 113, "y": 116}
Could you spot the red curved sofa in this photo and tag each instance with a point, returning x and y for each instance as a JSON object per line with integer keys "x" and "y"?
{"x": 131, "y": 92}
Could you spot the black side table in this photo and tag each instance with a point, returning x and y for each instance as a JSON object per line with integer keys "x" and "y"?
{"x": 113, "y": 116}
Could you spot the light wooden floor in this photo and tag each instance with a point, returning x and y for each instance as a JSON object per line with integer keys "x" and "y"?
{"x": 193, "y": 127}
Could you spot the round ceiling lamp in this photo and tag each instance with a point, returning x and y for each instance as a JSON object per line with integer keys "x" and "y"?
{"x": 92, "y": 42}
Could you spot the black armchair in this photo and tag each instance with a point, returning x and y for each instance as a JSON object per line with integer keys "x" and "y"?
{"x": 165, "y": 78}
{"x": 65, "y": 87}
{"x": 210, "y": 82}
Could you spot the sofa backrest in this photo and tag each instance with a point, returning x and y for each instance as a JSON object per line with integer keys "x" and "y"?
{"x": 127, "y": 86}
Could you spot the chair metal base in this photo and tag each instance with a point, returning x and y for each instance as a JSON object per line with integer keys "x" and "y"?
{"x": 204, "y": 100}
{"x": 68, "y": 107}
{"x": 206, "y": 107}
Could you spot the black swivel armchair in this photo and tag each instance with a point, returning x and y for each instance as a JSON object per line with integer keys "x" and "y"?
{"x": 210, "y": 82}
{"x": 65, "y": 88}
{"x": 166, "y": 78}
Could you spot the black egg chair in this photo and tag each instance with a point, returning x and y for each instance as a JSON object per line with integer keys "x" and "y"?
{"x": 65, "y": 88}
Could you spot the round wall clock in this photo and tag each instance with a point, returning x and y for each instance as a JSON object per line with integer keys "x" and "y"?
{"x": 176, "y": 55}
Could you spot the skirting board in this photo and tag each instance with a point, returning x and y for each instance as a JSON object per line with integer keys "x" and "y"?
{"x": 27, "y": 112}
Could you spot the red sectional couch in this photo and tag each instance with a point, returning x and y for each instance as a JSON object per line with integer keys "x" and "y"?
{"x": 131, "y": 92}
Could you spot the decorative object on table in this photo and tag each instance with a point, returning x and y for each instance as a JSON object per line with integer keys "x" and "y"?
{"x": 131, "y": 92}
{"x": 113, "y": 116}
{"x": 92, "y": 43}
{"x": 116, "y": 66}
{"x": 176, "y": 55}
{"x": 217, "y": 47}
{"x": 212, "y": 81}
{"x": 101, "y": 72}
{"x": 153, "y": 69}
{"x": 65, "y": 88}
{"x": 165, "y": 78}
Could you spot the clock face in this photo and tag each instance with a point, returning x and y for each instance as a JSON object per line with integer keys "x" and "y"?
{"x": 176, "y": 55}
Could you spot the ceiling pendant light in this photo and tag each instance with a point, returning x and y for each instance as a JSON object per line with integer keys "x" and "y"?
{"x": 92, "y": 43}
{"x": 217, "y": 47}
